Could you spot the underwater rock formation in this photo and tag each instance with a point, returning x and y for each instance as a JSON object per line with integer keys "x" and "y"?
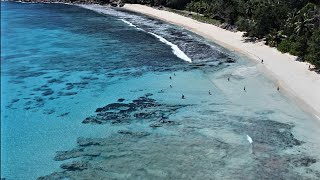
{"x": 142, "y": 108}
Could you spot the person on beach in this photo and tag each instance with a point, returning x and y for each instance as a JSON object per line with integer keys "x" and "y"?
{"x": 261, "y": 61}
{"x": 309, "y": 67}
{"x": 209, "y": 92}
{"x": 182, "y": 96}
{"x": 278, "y": 88}
{"x": 170, "y": 77}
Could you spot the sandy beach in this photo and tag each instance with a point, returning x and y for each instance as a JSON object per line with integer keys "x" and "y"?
{"x": 97, "y": 92}
{"x": 292, "y": 76}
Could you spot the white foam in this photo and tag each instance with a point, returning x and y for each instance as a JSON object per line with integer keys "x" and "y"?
{"x": 129, "y": 23}
{"x": 249, "y": 139}
{"x": 175, "y": 49}
{"x": 99, "y": 9}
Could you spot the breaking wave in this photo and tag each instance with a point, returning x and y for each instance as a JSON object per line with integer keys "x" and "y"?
{"x": 175, "y": 49}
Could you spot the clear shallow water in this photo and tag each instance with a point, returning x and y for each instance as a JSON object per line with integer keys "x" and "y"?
{"x": 59, "y": 63}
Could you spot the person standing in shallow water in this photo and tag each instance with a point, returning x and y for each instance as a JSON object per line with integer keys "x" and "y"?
{"x": 244, "y": 88}
{"x": 170, "y": 77}
{"x": 228, "y": 79}
{"x": 209, "y": 92}
{"x": 261, "y": 61}
{"x": 182, "y": 97}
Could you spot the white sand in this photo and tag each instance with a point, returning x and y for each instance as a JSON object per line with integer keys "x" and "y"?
{"x": 292, "y": 76}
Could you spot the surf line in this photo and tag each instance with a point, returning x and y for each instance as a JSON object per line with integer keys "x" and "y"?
{"x": 130, "y": 24}
{"x": 175, "y": 49}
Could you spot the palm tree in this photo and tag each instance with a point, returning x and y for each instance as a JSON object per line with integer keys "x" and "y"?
{"x": 306, "y": 19}
{"x": 304, "y": 24}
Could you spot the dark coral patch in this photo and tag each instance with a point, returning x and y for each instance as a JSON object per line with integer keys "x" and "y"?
{"x": 144, "y": 108}
{"x": 64, "y": 114}
{"x": 121, "y": 100}
{"x": 47, "y": 92}
{"x": 67, "y": 93}
{"x": 57, "y": 81}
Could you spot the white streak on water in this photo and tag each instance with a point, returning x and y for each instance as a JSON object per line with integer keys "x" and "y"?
{"x": 130, "y": 24}
{"x": 249, "y": 139}
{"x": 175, "y": 49}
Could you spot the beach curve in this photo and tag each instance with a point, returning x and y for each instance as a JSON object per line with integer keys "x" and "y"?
{"x": 292, "y": 76}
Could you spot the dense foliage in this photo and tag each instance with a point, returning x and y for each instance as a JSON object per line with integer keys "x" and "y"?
{"x": 290, "y": 25}
{"x": 176, "y": 4}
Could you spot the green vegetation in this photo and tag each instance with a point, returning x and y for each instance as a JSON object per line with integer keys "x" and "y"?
{"x": 292, "y": 26}
{"x": 196, "y": 16}
{"x": 175, "y": 4}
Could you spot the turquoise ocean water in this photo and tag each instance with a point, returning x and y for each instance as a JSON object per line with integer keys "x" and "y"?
{"x": 97, "y": 95}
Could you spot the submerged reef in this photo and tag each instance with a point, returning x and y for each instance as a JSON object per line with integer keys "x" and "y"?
{"x": 143, "y": 108}
{"x": 131, "y": 156}
{"x": 188, "y": 152}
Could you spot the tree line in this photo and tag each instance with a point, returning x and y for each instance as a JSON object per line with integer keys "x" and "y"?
{"x": 291, "y": 26}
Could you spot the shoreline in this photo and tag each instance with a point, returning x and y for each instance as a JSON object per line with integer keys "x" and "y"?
{"x": 105, "y": 101}
{"x": 295, "y": 79}
{"x": 290, "y": 75}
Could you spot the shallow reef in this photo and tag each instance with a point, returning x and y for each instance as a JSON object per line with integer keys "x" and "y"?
{"x": 143, "y": 108}
{"x": 187, "y": 153}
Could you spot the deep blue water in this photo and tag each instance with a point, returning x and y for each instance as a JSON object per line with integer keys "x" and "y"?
{"x": 59, "y": 63}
